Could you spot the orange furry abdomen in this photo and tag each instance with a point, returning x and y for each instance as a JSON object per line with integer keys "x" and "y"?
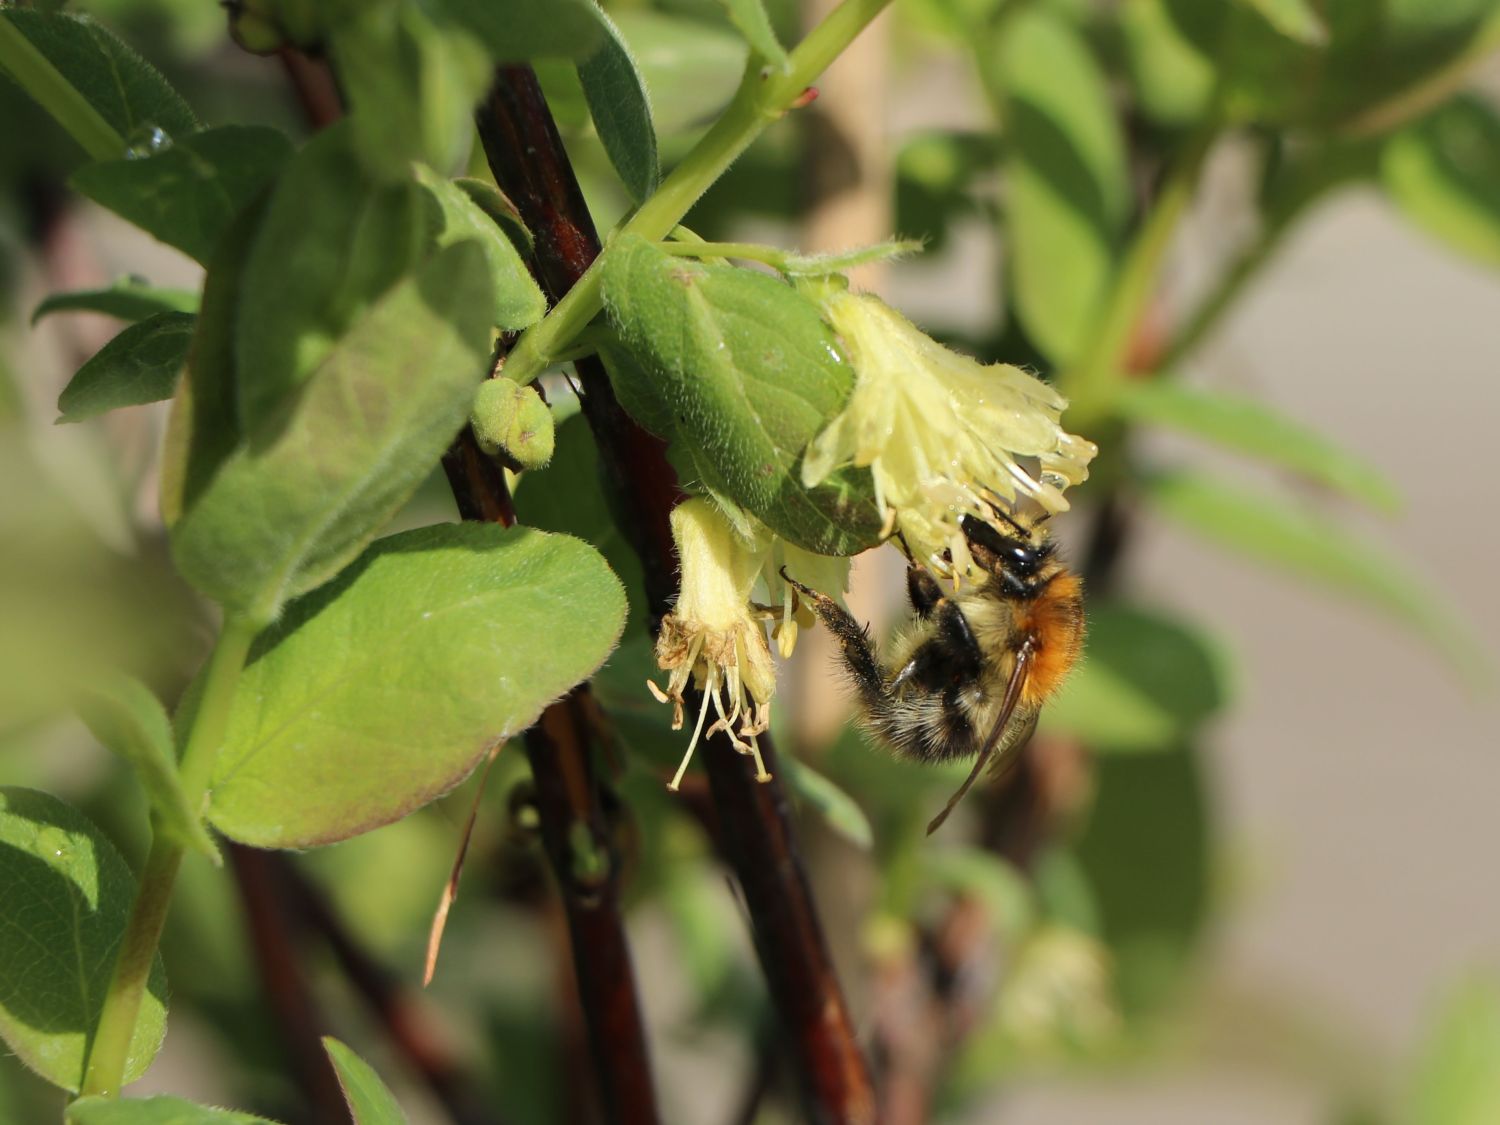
{"x": 1055, "y": 619}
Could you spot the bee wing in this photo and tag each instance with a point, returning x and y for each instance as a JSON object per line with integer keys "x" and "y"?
{"x": 1013, "y": 689}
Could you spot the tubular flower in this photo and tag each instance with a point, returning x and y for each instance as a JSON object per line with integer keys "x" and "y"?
{"x": 943, "y": 434}
{"x": 712, "y": 638}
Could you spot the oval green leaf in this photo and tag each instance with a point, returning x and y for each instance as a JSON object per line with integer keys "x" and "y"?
{"x": 621, "y": 109}
{"x": 1276, "y": 531}
{"x": 369, "y": 1100}
{"x": 522, "y": 30}
{"x": 1067, "y": 187}
{"x": 1444, "y": 174}
{"x": 130, "y": 298}
{"x": 139, "y": 365}
{"x": 1252, "y": 428}
{"x": 1147, "y": 683}
{"x": 186, "y": 193}
{"x": 311, "y": 484}
{"x": 125, "y": 717}
{"x": 838, "y": 808}
{"x": 127, "y": 91}
{"x": 382, "y": 690}
{"x": 154, "y": 1111}
{"x": 67, "y": 895}
{"x": 751, "y": 374}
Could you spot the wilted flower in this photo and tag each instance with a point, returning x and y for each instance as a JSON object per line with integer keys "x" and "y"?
{"x": 943, "y": 434}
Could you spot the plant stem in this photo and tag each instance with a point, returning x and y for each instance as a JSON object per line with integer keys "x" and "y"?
{"x": 55, "y": 94}
{"x": 110, "y": 1050}
{"x": 1091, "y": 384}
{"x": 763, "y": 97}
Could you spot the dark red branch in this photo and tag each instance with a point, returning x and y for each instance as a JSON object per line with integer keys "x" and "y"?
{"x": 531, "y": 166}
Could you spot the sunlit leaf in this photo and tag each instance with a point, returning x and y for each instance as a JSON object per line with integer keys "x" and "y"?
{"x": 383, "y": 689}
{"x": 130, "y": 299}
{"x": 124, "y": 716}
{"x": 310, "y": 484}
{"x": 1173, "y": 81}
{"x": 139, "y": 365}
{"x": 1444, "y": 174}
{"x": 369, "y": 1100}
{"x": 838, "y": 808}
{"x": 1296, "y": 19}
{"x": 1250, "y": 427}
{"x": 186, "y": 193}
{"x": 1067, "y": 189}
{"x": 67, "y": 895}
{"x": 690, "y": 67}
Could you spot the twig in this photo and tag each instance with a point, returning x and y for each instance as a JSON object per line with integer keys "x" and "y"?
{"x": 530, "y": 165}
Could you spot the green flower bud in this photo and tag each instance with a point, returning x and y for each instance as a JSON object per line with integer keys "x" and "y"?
{"x": 513, "y": 424}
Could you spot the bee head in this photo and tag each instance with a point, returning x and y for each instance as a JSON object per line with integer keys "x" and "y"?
{"x": 1017, "y": 557}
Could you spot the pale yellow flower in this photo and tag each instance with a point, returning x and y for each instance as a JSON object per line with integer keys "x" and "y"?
{"x": 943, "y": 434}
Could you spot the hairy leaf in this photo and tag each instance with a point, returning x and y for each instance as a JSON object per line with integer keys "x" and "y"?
{"x": 154, "y": 1111}
{"x": 126, "y": 90}
{"x": 752, "y": 374}
{"x": 130, "y": 298}
{"x": 1252, "y": 428}
{"x": 67, "y": 895}
{"x": 187, "y": 193}
{"x": 124, "y": 716}
{"x": 383, "y": 689}
{"x": 518, "y": 301}
{"x": 139, "y": 365}
{"x": 691, "y": 67}
{"x": 1444, "y": 174}
{"x": 333, "y": 240}
{"x": 310, "y": 485}
{"x": 1146, "y": 683}
{"x": 1067, "y": 189}
{"x": 369, "y": 1100}
{"x": 621, "y": 109}
{"x": 1276, "y": 531}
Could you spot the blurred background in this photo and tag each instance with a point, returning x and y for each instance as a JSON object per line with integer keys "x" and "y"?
{"x": 1245, "y": 873}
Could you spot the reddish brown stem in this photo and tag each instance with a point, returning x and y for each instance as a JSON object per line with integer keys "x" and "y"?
{"x": 530, "y": 165}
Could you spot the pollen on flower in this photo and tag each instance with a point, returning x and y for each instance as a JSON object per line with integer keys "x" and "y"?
{"x": 943, "y": 434}
{"x": 713, "y": 640}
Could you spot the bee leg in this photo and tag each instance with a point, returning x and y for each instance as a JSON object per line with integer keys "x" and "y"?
{"x": 854, "y": 641}
{"x": 923, "y": 590}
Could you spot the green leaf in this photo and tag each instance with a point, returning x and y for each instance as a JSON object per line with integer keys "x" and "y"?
{"x": 1146, "y": 683}
{"x": 751, "y": 374}
{"x": 1444, "y": 174}
{"x": 186, "y": 193}
{"x": 1276, "y": 531}
{"x": 126, "y": 90}
{"x": 1296, "y": 19}
{"x": 1172, "y": 80}
{"x": 154, "y": 1111}
{"x": 749, "y": 16}
{"x": 310, "y": 485}
{"x": 1250, "y": 427}
{"x": 1147, "y": 852}
{"x": 839, "y": 809}
{"x": 521, "y": 30}
{"x": 519, "y": 303}
{"x": 203, "y": 427}
{"x": 691, "y": 68}
{"x": 497, "y": 205}
{"x": 139, "y": 365}
{"x": 130, "y": 298}
{"x": 67, "y": 895}
{"x": 411, "y": 85}
{"x": 1004, "y": 892}
{"x": 383, "y": 689}
{"x": 369, "y": 1100}
{"x": 621, "y": 109}
{"x": 124, "y": 716}
{"x": 1067, "y": 188}
{"x": 333, "y": 240}
{"x": 1458, "y": 1081}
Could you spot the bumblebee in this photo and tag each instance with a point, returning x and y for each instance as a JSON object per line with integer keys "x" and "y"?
{"x": 971, "y": 673}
